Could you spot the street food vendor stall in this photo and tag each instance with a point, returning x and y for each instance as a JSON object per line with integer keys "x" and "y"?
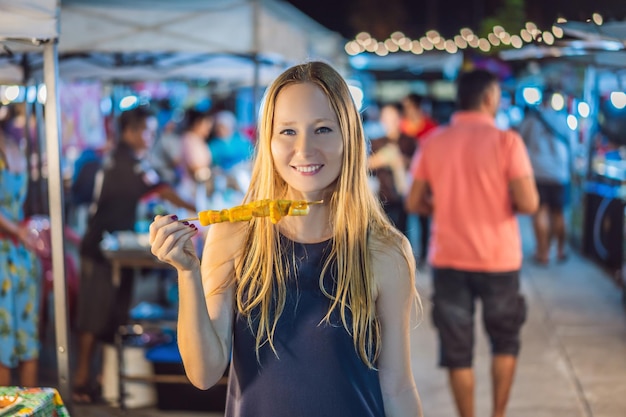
{"x": 598, "y": 191}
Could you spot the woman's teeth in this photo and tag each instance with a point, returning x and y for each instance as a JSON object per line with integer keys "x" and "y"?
{"x": 309, "y": 168}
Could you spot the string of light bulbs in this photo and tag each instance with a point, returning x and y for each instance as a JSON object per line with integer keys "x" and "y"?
{"x": 466, "y": 38}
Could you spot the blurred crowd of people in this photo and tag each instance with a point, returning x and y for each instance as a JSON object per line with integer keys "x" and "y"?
{"x": 197, "y": 163}
{"x": 403, "y": 127}
{"x": 191, "y": 167}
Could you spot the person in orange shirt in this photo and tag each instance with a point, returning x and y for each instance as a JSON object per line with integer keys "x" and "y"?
{"x": 473, "y": 178}
{"x": 417, "y": 124}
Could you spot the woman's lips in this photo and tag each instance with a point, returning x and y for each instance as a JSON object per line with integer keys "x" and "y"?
{"x": 308, "y": 169}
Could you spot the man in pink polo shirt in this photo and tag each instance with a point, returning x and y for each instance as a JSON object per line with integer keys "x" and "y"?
{"x": 473, "y": 178}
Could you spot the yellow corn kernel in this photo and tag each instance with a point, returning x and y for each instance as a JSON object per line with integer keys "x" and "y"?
{"x": 298, "y": 208}
{"x": 240, "y": 213}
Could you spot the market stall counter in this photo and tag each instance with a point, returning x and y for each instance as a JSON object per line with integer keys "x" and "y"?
{"x": 131, "y": 250}
{"x": 127, "y": 252}
{"x": 35, "y": 402}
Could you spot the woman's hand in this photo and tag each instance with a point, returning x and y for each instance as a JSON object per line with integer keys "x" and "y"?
{"x": 171, "y": 242}
{"x": 28, "y": 239}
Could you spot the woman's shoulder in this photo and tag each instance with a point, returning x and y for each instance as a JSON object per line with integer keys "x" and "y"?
{"x": 389, "y": 248}
{"x": 393, "y": 264}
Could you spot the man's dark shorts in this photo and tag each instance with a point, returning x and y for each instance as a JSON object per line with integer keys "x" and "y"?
{"x": 102, "y": 307}
{"x": 503, "y": 307}
{"x": 552, "y": 195}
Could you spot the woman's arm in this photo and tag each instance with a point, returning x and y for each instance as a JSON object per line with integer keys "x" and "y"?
{"x": 8, "y": 227}
{"x": 397, "y": 297}
{"x": 16, "y": 230}
{"x": 206, "y": 309}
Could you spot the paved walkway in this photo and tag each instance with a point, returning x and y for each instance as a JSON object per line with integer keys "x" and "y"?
{"x": 573, "y": 359}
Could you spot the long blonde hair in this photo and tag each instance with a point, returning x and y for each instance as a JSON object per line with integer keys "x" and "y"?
{"x": 356, "y": 216}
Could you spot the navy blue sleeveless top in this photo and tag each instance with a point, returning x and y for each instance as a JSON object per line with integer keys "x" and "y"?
{"x": 317, "y": 372}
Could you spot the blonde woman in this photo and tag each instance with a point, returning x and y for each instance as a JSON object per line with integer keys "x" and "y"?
{"x": 314, "y": 310}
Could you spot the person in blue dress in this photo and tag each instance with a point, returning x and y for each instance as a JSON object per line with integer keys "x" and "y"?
{"x": 19, "y": 267}
{"x": 312, "y": 312}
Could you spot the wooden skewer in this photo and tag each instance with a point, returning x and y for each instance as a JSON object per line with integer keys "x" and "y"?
{"x": 191, "y": 219}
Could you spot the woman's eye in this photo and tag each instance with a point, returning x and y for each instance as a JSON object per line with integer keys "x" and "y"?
{"x": 323, "y": 129}
{"x": 288, "y": 132}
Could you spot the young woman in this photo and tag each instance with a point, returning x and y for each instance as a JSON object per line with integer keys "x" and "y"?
{"x": 313, "y": 310}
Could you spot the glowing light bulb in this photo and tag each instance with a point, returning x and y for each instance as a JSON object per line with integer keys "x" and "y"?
{"x": 451, "y": 46}
{"x": 558, "y": 32}
{"x": 493, "y": 39}
{"x": 12, "y": 92}
{"x": 597, "y": 19}
{"x": 557, "y": 102}
{"x": 516, "y": 41}
{"x": 572, "y": 122}
{"x": 128, "y": 102}
{"x": 532, "y": 95}
{"x": 583, "y": 109}
{"x": 426, "y": 43}
{"x": 460, "y": 42}
{"x": 548, "y": 37}
{"x": 416, "y": 48}
{"x": 42, "y": 94}
{"x": 618, "y": 99}
{"x": 483, "y": 45}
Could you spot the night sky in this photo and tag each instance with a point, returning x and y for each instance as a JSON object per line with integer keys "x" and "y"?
{"x": 413, "y": 17}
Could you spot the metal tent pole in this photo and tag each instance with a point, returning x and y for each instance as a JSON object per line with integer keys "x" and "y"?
{"x": 55, "y": 199}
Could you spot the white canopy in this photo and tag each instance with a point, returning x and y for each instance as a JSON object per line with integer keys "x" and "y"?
{"x": 158, "y": 39}
{"x": 28, "y": 19}
{"x": 222, "y": 26}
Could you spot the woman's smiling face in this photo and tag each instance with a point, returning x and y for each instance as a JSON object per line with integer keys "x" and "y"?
{"x": 307, "y": 144}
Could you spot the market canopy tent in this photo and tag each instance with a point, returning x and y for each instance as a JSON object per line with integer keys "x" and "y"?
{"x": 113, "y": 67}
{"x": 409, "y": 65}
{"x": 601, "y": 49}
{"x": 160, "y": 39}
{"x": 232, "y": 26}
{"x": 612, "y": 31}
{"x": 604, "y": 53}
{"x": 28, "y": 20}
{"x": 601, "y": 45}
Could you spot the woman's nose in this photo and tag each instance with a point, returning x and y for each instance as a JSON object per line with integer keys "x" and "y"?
{"x": 304, "y": 143}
